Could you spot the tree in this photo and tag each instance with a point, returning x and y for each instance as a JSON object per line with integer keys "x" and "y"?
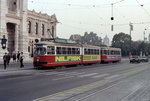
{"x": 91, "y": 39}
{"x": 76, "y": 37}
{"x": 122, "y": 41}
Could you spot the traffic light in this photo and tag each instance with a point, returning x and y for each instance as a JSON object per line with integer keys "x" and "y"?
{"x": 36, "y": 40}
{"x": 3, "y": 42}
{"x": 112, "y": 27}
{"x": 112, "y": 18}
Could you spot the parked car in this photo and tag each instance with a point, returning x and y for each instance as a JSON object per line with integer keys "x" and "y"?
{"x": 135, "y": 59}
{"x": 144, "y": 59}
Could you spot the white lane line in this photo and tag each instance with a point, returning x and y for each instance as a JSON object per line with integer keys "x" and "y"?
{"x": 85, "y": 75}
{"x": 111, "y": 77}
{"x": 73, "y": 73}
{"x": 99, "y": 76}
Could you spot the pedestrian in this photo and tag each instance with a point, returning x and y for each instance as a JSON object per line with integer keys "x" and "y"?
{"x": 21, "y": 60}
{"x": 9, "y": 57}
{"x": 18, "y": 56}
{"x": 14, "y": 57}
{"x": 5, "y": 58}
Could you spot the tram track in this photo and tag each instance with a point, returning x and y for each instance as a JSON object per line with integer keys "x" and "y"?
{"x": 91, "y": 86}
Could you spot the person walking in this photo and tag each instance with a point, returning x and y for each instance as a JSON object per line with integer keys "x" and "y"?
{"x": 9, "y": 57}
{"x": 21, "y": 60}
{"x": 14, "y": 57}
{"x": 5, "y": 58}
{"x": 18, "y": 56}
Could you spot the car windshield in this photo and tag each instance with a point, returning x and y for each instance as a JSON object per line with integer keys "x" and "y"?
{"x": 40, "y": 51}
{"x": 134, "y": 56}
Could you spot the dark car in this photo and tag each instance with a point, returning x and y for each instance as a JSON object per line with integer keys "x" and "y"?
{"x": 135, "y": 59}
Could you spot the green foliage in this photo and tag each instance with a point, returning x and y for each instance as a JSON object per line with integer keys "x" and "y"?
{"x": 122, "y": 41}
{"x": 91, "y": 39}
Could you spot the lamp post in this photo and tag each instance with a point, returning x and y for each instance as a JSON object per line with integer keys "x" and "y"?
{"x": 32, "y": 50}
{"x": 131, "y": 29}
{"x": 3, "y": 42}
{"x": 144, "y": 34}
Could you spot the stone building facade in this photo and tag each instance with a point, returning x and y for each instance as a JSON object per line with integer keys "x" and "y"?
{"x": 21, "y": 26}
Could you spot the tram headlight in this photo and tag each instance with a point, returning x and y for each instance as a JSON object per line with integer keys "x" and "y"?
{"x": 37, "y": 60}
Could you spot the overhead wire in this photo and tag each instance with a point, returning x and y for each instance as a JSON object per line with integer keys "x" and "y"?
{"x": 118, "y": 2}
{"x": 94, "y": 6}
{"x": 142, "y": 6}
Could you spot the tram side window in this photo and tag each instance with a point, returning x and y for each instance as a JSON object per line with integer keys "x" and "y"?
{"x": 94, "y": 51}
{"x": 73, "y": 50}
{"x": 89, "y": 52}
{"x": 117, "y": 52}
{"x": 112, "y": 52}
{"x": 102, "y": 52}
{"x": 50, "y": 50}
{"x": 106, "y": 52}
{"x": 97, "y": 51}
{"x": 63, "y": 50}
{"x": 85, "y": 51}
{"x": 58, "y": 50}
{"x": 77, "y": 50}
{"x": 69, "y": 50}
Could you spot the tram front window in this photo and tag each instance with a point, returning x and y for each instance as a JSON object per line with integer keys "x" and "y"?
{"x": 40, "y": 51}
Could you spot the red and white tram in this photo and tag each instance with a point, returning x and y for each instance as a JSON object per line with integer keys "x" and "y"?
{"x": 109, "y": 54}
{"x": 49, "y": 54}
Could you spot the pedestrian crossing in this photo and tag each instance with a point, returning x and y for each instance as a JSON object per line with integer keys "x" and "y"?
{"x": 100, "y": 76}
{"x": 93, "y": 75}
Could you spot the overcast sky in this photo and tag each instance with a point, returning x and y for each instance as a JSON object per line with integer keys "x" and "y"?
{"x": 79, "y": 16}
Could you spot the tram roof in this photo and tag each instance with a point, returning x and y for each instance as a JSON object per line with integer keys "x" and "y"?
{"x": 110, "y": 48}
{"x": 58, "y": 44}
{"x": 90, "y": 46}
{"x": 65, "y": 44}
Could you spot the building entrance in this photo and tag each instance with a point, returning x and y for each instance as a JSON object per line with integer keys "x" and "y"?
{"x": 11, "y": 37}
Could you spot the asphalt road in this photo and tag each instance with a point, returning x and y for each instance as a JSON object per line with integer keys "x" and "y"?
{"x": 98, "y": 82}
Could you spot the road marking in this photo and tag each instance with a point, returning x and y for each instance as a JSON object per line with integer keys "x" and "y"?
{"x": 125, "y": 98}
{"x": 99, "y": 76}
{"x": 111, "y": 77}
{"x": 71, "y": 73}
{"x": 85, "y": 97}
{"x": 68, "y": 93}
{"x": 81, "y": 89}
{"x": 63, "y": 78}
{"x": 85, "y": 75}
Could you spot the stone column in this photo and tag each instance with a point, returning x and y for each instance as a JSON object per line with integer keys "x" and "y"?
{"x": 3, "y": 31}
{"x": 23, "y": 36}
{"x": 16, "y": 38}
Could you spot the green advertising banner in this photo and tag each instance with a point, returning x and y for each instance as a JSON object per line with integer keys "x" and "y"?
{"x": 59, "y": 59}
{"x": 91, "y": 57}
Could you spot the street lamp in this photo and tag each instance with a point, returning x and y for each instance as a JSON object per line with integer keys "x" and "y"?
{"x": 3, "y": 42}
{"x": 32, "y": 49}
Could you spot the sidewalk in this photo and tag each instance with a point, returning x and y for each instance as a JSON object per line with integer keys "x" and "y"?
{"x": 15, "y": 66}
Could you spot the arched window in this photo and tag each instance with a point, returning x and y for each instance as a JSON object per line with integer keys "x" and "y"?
{"x": 36, "y": 28}
{"x": 43, "y": 29}
{"x": 29, "y": 27}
